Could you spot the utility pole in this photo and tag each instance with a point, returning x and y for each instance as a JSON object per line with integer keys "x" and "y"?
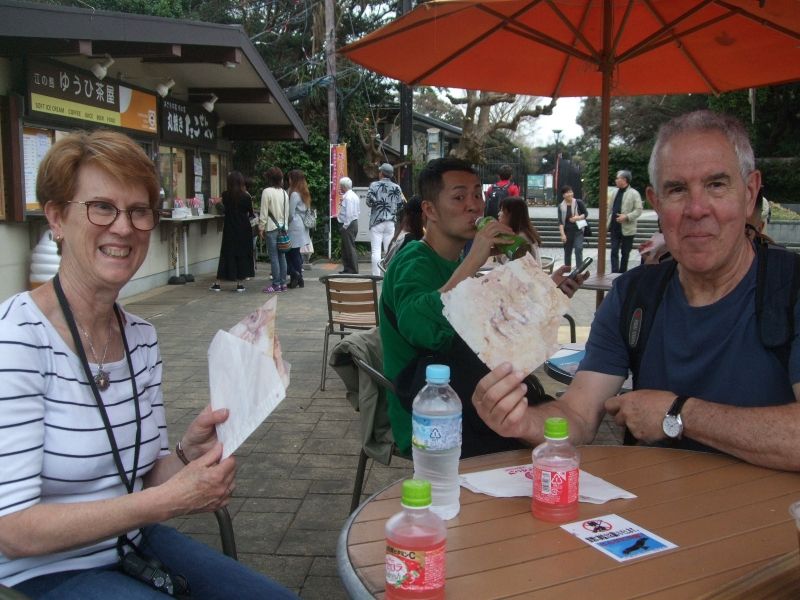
{"x": 406, "y": 124}
{"x": 330, "y": 61}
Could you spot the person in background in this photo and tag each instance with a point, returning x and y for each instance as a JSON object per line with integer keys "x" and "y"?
{"x": 86, "y": 470}
{"x": 706, "y": 379}
{"x": 514, "y": 214}
{"x": 236, "y": 251}
{"x": 499, "y": 191}
{"x": 626, "y": 208}
{"x": 384, "y": 199}
{"x": 274, "y": 213}
{"x": 299, "y": 203}
{"x": 348, "y": 225}
{"x": 570, "y": 211}
{"x": 411, "y": 227}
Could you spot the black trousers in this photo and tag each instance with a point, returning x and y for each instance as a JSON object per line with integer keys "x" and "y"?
{"x": 620, "y": 244}
{"x": 349, "y": 254}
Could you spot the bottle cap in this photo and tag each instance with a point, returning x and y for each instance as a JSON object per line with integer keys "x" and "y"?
{"x": 437, "y": 374}
{"x": 556, "y": 428}
{"x": 416, "y": 493}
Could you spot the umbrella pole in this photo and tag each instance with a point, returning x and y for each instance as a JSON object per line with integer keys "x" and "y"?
{"x": 605, "y": 129}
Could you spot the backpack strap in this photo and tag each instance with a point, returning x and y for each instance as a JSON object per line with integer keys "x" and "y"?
{"x": 777, "y": 284}
{"x": 645, "y": 290}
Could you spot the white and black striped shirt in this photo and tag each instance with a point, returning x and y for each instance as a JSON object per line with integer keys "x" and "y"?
{"x": 53, "y": 445}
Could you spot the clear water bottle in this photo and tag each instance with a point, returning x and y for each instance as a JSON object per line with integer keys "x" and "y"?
{"x": 415, "y": 547}
{"x": 436, "y": 440}
{"x": 555, "y": 474}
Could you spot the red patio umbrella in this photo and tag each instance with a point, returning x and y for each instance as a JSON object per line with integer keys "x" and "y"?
{"x": 560, "y": 48}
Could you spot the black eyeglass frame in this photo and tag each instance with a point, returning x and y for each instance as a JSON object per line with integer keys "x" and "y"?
{"x": 88, "y": 204}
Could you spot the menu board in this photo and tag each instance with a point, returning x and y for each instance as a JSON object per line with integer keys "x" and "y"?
{"x": 35, "y": 144}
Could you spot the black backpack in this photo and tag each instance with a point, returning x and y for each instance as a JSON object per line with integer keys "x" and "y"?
{"x": 497, "y": 195}
{"x": 777, "y": 283}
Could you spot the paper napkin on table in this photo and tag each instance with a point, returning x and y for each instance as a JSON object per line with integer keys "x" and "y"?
{"x": 509, "y": 482}
{"x": 247, "y": 375}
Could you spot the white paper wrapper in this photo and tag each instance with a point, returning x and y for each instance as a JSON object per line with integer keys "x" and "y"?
{"x": 512, "y": 314}
{"x": 510, "y": 482}
{"x": 246, "y": 375}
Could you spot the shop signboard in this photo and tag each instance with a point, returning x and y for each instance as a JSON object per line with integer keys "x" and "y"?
{"x": 64, "y": 91}
{"x": 187, "y": 124}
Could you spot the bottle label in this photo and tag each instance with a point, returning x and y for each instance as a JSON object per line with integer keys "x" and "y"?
{"x": 415, "y": 570}
{"x": 436, "y": 433}
{"x": 557, "y": 488}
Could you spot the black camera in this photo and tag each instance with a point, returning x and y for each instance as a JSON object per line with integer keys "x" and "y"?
{"x": 153, "y": 573}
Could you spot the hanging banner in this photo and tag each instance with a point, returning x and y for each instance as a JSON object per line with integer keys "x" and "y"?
{"x": 338, "y": 165}
{"x": 188, "y": 124}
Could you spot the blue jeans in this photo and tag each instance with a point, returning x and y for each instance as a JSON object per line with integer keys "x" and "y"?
{"x": 211, "y": 575}
{"x": 277, "y": 259}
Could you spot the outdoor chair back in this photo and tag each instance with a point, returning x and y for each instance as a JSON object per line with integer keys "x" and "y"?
{"x": 352, "y": 305}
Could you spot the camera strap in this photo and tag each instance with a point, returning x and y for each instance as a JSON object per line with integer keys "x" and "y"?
{"x": 129, "y": 482}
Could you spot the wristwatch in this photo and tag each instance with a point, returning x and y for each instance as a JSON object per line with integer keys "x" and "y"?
{"x": 672, "y": 424}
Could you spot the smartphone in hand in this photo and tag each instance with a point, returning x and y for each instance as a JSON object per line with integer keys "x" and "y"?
{"x": 580, "y": 268}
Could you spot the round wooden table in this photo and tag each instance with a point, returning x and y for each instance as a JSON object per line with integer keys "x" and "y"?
{"x": 729, "y": 519}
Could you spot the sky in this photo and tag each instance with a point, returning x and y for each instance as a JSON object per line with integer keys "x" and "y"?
{"x": 563, "y": 118}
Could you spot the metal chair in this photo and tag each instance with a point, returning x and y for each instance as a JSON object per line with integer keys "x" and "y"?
{"x": 352, "y": 304}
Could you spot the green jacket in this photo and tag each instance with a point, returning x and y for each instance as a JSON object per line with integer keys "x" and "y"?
{"x": 411, "y": 291}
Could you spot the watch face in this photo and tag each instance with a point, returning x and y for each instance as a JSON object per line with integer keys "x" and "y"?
{"x": 672, "y": 426}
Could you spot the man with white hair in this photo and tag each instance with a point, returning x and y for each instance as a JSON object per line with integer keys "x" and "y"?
{"x": 712, "y": 373}
{"x": 384, "y": 199}
{"x": 626, "y": 208}
{"x": 348, "y": 225}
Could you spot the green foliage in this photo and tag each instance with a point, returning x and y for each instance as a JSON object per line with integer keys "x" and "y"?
{"x": 619, "y": 157}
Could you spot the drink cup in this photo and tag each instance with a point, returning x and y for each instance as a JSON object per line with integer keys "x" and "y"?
{"x": 794, "y": 510}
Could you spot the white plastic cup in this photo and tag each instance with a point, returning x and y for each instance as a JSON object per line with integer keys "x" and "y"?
{"x": 794, "y": 510}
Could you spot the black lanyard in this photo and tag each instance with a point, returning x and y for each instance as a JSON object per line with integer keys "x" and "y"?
{"x": 73, "y": 329}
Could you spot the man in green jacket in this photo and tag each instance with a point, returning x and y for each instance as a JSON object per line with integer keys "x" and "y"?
{"x": 411, "y": 306}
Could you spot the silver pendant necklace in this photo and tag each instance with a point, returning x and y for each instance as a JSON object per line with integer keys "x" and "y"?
{"x": 101, "y": 378}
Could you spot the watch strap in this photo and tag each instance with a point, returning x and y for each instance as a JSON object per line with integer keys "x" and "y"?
{"x": 677, "y": 405}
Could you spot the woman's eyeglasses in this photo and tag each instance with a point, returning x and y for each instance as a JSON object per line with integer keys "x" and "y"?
{"x": 104, "y": 214}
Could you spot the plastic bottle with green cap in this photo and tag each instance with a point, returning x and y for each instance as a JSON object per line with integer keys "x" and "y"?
{"x": 555, "y": 474}
{"x": 415, "y": 546}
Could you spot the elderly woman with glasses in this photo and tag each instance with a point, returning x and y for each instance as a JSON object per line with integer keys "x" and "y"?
{"x": 86, "y": 472}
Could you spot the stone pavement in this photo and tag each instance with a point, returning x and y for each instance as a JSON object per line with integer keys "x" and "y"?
{"x": 295, "y": 473}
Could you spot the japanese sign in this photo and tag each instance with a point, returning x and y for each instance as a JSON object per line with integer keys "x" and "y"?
{"x": 71, "y": 93}
{"x": 187, "y": 124}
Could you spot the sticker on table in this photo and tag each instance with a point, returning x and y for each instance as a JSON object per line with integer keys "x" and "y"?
{"x": 617, "y": 537}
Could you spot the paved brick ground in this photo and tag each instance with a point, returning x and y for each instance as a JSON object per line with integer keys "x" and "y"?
{"x": 295, "y": 474}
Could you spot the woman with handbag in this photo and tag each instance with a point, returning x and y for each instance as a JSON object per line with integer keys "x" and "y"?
{"x": 299, "y": 208}
{"x": 570, "y": 212}
{"x": 272, "y": 223}
{"x": 236, "y": 251}
{"x": 85, "y": 464}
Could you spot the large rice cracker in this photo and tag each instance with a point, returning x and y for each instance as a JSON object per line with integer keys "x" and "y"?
{"x": 511, "y": 314}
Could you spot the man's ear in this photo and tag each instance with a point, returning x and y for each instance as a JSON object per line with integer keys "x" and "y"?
{"x": 429, "y": 211}
{"x": 753, "y": 184}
